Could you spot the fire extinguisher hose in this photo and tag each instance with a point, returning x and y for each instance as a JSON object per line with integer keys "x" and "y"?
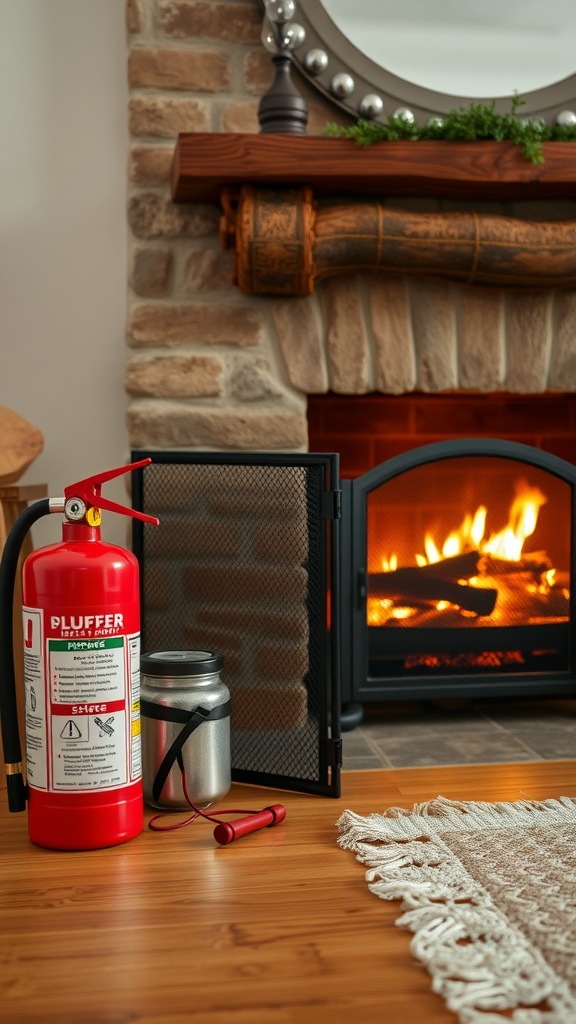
{"x": 8, "y": 705}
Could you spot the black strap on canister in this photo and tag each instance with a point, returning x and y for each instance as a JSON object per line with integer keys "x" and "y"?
{"x": 191, "y": 721}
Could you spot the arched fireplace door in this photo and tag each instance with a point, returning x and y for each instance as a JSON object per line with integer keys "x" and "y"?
{"x": 457, "y": 575}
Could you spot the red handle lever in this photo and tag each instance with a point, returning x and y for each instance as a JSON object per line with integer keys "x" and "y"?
{"x": 89, "y": 491}
{"x": 227, "y": 831}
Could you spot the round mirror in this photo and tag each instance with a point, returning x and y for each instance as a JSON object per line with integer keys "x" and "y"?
{"x": 373, "y": 57}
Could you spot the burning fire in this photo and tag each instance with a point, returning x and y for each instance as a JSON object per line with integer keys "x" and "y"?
{"x": 508, "y": 543}
{"x": 500, "y": 568}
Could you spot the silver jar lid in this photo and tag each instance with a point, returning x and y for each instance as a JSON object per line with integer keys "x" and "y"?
{"x": 181, "y": 663}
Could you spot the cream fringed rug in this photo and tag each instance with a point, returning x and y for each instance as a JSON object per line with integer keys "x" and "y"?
{"x": 489, "y": 891}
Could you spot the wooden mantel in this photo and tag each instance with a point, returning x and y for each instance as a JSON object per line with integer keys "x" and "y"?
{"x": 205, "y": 163}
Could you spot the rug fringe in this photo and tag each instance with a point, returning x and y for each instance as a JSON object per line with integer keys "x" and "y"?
{"x": 441, "y": 815}
{"x": 479, "y": 963}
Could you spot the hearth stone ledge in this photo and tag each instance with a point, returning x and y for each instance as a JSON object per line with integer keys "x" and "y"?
{"x": 245, "y": 387}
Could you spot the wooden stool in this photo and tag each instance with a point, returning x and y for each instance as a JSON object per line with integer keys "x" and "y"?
{"x": 13, "y": 500}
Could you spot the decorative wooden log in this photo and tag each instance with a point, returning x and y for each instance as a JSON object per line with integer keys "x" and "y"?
{"x": 285, "y": 242}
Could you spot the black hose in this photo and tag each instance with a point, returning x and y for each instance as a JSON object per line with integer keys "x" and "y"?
{"x": 8, "y": 705}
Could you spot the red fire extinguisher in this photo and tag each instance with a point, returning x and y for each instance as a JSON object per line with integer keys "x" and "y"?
{"x": 81, "y": 619}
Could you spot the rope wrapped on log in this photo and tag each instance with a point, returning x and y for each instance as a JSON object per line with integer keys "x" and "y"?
{"x": 285, "y": 242}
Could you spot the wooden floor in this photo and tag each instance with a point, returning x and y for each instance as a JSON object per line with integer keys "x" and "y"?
{"x": 278, "y": 927}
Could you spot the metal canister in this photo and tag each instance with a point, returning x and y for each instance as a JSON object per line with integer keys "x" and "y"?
{"x": 185, "y": 715}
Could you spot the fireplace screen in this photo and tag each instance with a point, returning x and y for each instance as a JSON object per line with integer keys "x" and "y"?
{"x": 244, "y": 562}
{"x": 462, "y": 561}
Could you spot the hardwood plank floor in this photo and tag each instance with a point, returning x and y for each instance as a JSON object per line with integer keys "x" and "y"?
{"x": 278, "y": 927}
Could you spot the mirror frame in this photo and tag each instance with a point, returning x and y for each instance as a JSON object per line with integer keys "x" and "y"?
{"x": 397, "y": 93}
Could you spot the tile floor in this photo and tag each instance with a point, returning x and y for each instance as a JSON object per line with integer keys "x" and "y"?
{"x": 448, "y": 733}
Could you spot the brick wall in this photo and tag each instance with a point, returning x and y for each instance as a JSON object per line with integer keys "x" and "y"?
{"x": 369, "y": 430}
{"x": 204, "y": 366}
{"x": 210, "y": 368}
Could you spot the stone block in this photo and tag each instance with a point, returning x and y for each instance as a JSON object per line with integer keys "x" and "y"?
{"x": 241, "y": 584}
{"x": 163, "y": 424}
{"x": 175, "y": 377}
{"x": 286, "y": 546}
{"x": 228, "y": 22}
{"x": 346, "y": 341}
{"x": 178, "y": 69}
{"x": 481, "y": 339}
{"x": 273, "y": 624}
{"x": 258, "y": 71}
{"x": 150, "y": 271}
{"x": 297, "y": 327}
{"x": 153, "y": 215}
{"x": 134, "y": 16}
{"x": 253, "y": 381}
{"x": 188, "y": 537}
{"x": 150, "y": 165}
{"x": 434, "y": 330}
{"x": 282, "y": 662}
{"x": 166, "y": 118}
{"x": 239, "y": 117}
{"x": 395, "y": 365}
{"x": 562, "y": 376}
{"x": 196, "y": 323}
{"x": 528, "y": 341}
{"x": 258, "y": 499}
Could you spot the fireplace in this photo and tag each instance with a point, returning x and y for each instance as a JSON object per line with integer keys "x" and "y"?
{"x": 458, "y": 559}
{"x": 450, "y": 574}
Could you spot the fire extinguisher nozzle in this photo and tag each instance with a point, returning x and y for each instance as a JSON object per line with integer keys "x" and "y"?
{"x": 16, "y": 791}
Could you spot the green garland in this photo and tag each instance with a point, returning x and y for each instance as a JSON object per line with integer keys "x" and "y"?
{"x": 465, "y": 124}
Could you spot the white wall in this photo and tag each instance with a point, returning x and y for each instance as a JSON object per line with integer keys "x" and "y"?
{"x": 64, "y": 141}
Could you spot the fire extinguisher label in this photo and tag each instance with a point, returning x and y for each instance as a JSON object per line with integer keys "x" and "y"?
{"x": 84, "y": 733}
{"x": 35, "y": 697}
{"x": 87, "y": 696}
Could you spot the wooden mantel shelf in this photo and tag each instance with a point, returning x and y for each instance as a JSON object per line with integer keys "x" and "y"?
{"x": 205, "y": 163}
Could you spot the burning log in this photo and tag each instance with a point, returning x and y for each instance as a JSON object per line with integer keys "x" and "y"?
{"x": 536, "y": 563}
{"x": 457, "y": 567}
{"x": 435, "y": 582}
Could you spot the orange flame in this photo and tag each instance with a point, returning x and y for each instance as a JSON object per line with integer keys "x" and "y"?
{"x": 471, "y": 535}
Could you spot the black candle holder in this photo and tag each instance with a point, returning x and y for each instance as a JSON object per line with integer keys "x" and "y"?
{"x": 282, "y": 110}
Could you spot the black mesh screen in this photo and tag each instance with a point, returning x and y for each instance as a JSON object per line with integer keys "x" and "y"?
{"x": 241, "y": 563}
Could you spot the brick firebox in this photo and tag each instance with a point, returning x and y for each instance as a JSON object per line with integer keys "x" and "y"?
{"x": 370, "y": 429}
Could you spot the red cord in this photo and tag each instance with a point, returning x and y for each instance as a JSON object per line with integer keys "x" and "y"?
{"x": 197, "y": 814}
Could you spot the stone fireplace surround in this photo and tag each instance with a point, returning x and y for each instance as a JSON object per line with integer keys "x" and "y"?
{"x": 210, "y": 368}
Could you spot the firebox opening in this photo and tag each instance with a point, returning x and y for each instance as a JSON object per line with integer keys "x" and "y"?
{"x": 465, "y": 562}
{"x": 468, "y": 569}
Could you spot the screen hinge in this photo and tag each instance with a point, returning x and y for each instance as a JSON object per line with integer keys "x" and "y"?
{"x": 334, "y": 753}
{"x": 332, "y": 504}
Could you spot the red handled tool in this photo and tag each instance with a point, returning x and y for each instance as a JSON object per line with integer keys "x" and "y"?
{"x": 226, "y": 831}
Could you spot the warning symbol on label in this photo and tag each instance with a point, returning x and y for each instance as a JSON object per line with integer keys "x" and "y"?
{"x": 106, "y": 726}
{"x": 71, "y": 731}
